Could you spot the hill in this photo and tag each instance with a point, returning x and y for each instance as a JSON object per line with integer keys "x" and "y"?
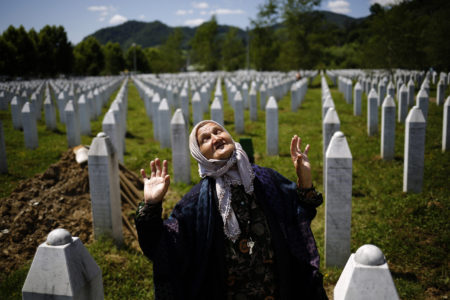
{"x": 151, "y": 34}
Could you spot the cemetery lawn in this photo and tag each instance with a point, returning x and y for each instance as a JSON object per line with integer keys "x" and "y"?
{"x": 411, "y": 229}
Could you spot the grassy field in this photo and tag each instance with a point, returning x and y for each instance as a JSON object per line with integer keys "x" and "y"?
{"x": 411, "y": 229}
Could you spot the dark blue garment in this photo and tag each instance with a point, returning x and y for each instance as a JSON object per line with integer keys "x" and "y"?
{"x": 187, "y": 249}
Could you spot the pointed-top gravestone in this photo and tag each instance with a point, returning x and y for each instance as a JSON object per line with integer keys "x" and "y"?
{"x": 197, "y": 108}
{"x": 244, "y": 91}
{"x": 180, "y": 149}
{"x": 381, "y": 92}
{"x": 440, "y": 92}
{"x": 327, "y": 105}
{"x": 110, "y": 127}
{"x": 262, "y": 96}
{"x": 357, "y": 96}
{"x": 413, "y": 166}
{"x": 217, "y": 111}
{"x": 84, "y": 114}
{"x": 239, "y": 113}
{"x": 61, "y": 101}
{"x": 29, "y": 127}
{"x": 184, "y": 104}
{"x": 411, "y": 88}
{"x": 155, "y": 106}
{"x": 446, "y": 126}
{"x": 16, "y": 113}
{"x": 49, "y": 111}
{"x": 422, "y": 102}
{"x": 164, "y": 124}
{"x": 272, "y": 127}
{"x": 72, "y": 125}
{"x": 372, "y": 113}
{"x": 388, "y": 128}
{"x": 104, "y": 187}
{"x": 402, "y": 104}
{"x": 338, "y": 205}
{"x": 253, "y": 104}
{"x": 391, "y": 89}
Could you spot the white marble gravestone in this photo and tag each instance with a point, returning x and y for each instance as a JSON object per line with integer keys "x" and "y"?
{"x": 50, "y": 115}
{"x": 217, "y": 111}
{"x": 16, "y": 112}
{"x": 388, "y": 128}
{"x": 72, "y": 125}
{"x": 357, "y": 96}
{"x": 180, "y": 150}
{"x": 155, "y": 105}
{"x": 422, "y": 102}
{"x": 338, "y": 204}
{"x": 104, "y": 187}
{"x": 413, "y": 166}
{"x": 446, "y": 126}
{"x": 402, "y": 104}
{"x": 197, "y": 108}
{"x": 239, "y": 113}
{"x": 29, "y": 125}
{"x": 366, "y": 276}
{"x": 372, "y": 113}
{"x": 85, "y": 115}
{"x": 164, "y": 117}
{"x": 253, "y": 104}
{"x": 62, "y": 268}
{"x": 272, "y": 127}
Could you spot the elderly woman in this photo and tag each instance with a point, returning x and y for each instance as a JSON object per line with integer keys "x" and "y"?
{"x": 243, "y": 232}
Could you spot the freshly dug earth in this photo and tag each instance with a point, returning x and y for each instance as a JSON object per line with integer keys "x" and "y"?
{"x": 58, "y": 198}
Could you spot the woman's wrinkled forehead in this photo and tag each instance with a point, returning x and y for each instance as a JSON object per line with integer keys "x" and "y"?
{"x": 203, "y": 123}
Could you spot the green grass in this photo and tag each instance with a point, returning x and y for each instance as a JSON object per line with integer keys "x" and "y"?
{"x": 411, "y": 229}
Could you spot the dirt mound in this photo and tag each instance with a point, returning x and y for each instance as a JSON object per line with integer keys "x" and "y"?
{"x": 58, "y": 198}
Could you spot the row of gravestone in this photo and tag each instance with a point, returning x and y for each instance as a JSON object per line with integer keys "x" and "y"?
{"x": 356, "y": 281}
{"x": 63, "y": 268}
{"x": 75, "y": 110}
{"x": 103, "y": 176}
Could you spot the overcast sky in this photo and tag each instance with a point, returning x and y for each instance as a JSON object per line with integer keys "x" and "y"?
{"x": 83, "y": 17}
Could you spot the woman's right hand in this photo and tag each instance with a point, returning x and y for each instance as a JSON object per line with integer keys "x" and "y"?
{"x": 155, "y": 187}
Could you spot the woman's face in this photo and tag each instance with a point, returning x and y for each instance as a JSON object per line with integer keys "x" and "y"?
{"x": 214, "y": 142}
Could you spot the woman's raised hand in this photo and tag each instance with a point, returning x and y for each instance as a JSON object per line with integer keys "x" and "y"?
{"x": 301, "y": 163}
{"x": 155, "y": 187}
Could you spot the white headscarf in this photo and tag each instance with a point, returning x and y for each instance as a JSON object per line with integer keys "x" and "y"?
{"x": 225, "y": 174}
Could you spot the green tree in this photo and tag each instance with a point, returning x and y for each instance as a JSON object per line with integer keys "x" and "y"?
{"x": 89, "y": 58}
{"x": 205, "y": 48}
{"x": 7, "y": 57}
{"x": 141, "y": 59}
{"x": 233, "y": 51}
{"x": 55, "y": 51}
{"x": 172, "y": 53}
{"x": 24, "y": 51}
{"x": 114, "y": 59}
{"x": 155, "y": 59}
{"x": 264, "y": 45}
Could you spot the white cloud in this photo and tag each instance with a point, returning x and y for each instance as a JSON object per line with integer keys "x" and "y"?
{"x": 203, "y": 13}
{"x": 141, "y": 17}
{"x": 339, "y": 6}
{"x": 97, "y": 8}
{"x": 200, "y": 5}
{"x": 182, "y": 12}
{"x": 385, "y": 2}
{"x": 226, "y": 11}
{"x": 194, "y": 22}
{"x": 117, "y": 19}
{"x": 103, "y": 11}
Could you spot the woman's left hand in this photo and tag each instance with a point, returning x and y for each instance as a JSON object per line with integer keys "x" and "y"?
{"x": 301, "y": 163}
